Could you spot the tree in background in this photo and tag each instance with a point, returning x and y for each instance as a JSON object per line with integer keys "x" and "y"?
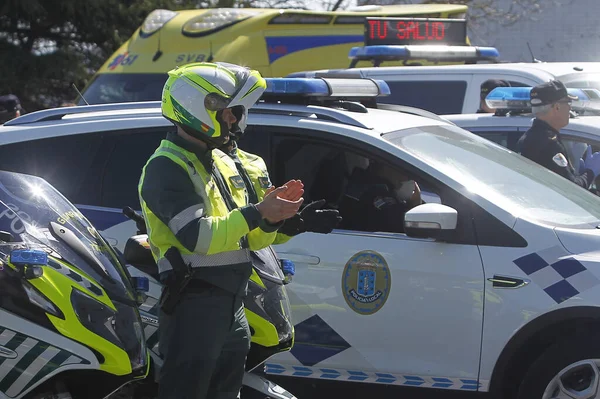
{"x": 46, "y": 45}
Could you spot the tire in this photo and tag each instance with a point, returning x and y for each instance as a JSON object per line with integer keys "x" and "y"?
{"x": 576, "y": 360}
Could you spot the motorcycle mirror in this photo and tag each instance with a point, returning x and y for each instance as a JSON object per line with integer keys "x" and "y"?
{"x": 6, "y": 236}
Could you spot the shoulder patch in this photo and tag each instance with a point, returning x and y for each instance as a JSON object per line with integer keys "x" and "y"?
{"x": 560, "y": 160}
{"x": 264, "y": 181}
{"x": 237, "y": 181}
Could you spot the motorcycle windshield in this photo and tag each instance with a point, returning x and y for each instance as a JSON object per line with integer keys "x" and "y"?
{"x": 34, "y": 212}
{"x": 269, "y": 266}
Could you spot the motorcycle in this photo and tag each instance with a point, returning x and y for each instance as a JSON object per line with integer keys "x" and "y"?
{"x": 266, "y": 305}
{"x": 69, "y": 320}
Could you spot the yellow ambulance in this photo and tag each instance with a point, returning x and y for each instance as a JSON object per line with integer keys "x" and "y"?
{"x": 274, "y": 41}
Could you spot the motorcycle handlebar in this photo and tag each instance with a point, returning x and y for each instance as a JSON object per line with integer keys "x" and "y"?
{"x": 137, "y": 218}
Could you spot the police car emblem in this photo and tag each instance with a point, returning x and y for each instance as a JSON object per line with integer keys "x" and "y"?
{"x": 264, "y": 181}
{"x": 366, "y": 282}
{"x": 560, "y": 160}
{"x": 237, "y": 181}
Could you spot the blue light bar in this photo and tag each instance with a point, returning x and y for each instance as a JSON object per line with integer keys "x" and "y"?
{"x": 28, "y": 257}
{"x": 319, "y": 87}
{"x": 437, "y": 52}
{"x": 297, "y": 86}
{"x": 518, "y": 98}
{"x": 141, "y": 284}
{"x": 509, "y": 98}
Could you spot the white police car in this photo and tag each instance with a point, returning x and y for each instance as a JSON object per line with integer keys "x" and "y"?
{"x": 513, "y": 118}
{"x": 495, "y": 285}
{"x": 453, "y": 89}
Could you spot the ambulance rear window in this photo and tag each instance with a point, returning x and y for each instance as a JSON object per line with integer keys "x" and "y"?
{"x": 124, "y": 87}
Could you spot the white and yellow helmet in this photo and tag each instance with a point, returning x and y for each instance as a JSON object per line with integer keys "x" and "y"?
{"x": 195, "y": 93}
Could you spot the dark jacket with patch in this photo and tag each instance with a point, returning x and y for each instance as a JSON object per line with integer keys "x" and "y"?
{"x": 541, "y": 143}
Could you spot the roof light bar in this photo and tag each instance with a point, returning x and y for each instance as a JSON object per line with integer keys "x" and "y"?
{"x": 518, "y": 98}
{"x": 509, "y": 98}
{"x": 427, "y": 52}
{"x": 156, "y": 20}
{"x": 319, "y": 87}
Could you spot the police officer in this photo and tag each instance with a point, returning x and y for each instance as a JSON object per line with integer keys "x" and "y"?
{"x": 201, "y": 230}
{"x": 377, "y": 197}
{"x": 485, "y": 89}
{"x": 253, "y": 170}
{"x": 551, "y": 106}
{"x": 10, "y": 107}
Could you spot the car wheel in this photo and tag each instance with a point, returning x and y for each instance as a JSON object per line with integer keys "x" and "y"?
{"x": 569, "y": 369}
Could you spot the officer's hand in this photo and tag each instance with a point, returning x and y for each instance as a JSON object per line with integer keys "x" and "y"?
{"x": 592, "y": 161}
{"x": 319, "y": 220}
{"x": 415, "y": 198}
{"x": 295, "y": 190}
{"x": 274, "y": 209}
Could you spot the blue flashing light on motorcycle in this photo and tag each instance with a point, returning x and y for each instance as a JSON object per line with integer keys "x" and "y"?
{"x": 141, "y": 284}
{"x": 289, "y": 269}
{"x": 31, "y": 257}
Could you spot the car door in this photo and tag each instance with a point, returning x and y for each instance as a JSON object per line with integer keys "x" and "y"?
{"x": 117, "y": 170}
{"x": 375, "y": 301}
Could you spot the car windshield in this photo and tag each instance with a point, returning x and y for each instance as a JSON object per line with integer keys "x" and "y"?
{"x": 514, "y": 183}
{"x": 124, "y": 87}
{"x": 581, "y": 80}
{"x": 32, "y": 211}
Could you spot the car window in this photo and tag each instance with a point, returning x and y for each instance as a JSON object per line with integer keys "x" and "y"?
{"x": 513, "y": 83}
{"x": 441, "y": 97}
{"x": 576, "y": 146}
{"x": 128, "y": 155}
{"x": 62, "y": 161}
{"x": 124, "y": 87}
{"x": 512, "y": 182}
{"x": 256, "y": 140}
{"x": 370, "y": 194}
{"x": 506, "y": 139}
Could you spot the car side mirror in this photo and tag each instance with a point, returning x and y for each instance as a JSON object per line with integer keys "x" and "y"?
{"x": 430, "y": 221}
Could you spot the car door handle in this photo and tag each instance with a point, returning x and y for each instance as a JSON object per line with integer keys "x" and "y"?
{"x": 299, "y": 258}
{"x": 507, "y": 282}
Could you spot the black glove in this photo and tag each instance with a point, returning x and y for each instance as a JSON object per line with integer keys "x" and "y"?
{"x": 292, "y": 226}
{"x": 319, "y": 220}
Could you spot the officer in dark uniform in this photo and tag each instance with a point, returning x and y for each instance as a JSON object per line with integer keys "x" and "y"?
{"x": 485, "y": 89}
{"x": 551, "y": 106}
{"x": 10, "y": 108}
{"x": 376, "y": 199}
